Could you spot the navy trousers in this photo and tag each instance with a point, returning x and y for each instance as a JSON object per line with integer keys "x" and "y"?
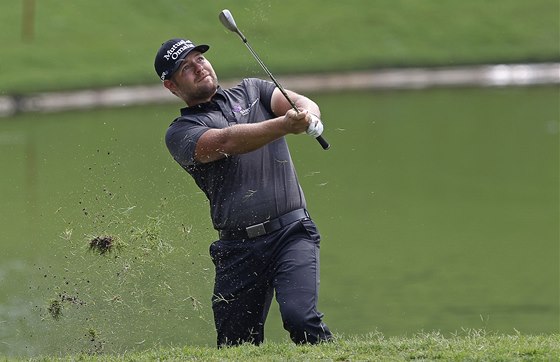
{"x": 249, "y": 271}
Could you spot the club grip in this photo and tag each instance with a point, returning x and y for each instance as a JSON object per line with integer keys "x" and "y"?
{"x": 323, "y": 142}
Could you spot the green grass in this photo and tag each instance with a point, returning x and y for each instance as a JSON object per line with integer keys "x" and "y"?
{"x": 467, "y": 346}
{"x": 97, "y": 43}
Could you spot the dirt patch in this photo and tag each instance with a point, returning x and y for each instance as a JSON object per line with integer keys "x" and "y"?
{"x": 104, "y": 244}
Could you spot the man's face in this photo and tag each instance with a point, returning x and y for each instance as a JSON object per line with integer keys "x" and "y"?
{"x": 194, "y": 81}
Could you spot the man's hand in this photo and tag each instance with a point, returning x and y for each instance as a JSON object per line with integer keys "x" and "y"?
{"x": 315, "y": 128}
{"x": 303, "y": 121}
{"x": 297, "y": 122}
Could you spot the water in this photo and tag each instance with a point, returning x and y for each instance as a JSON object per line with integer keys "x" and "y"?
{"x": 438, "y": 210}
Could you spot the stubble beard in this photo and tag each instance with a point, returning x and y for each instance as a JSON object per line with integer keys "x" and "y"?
{"x": 204, "y": 91}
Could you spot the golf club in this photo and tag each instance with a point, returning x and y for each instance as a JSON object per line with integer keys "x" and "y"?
{"x": 227, "y": 20}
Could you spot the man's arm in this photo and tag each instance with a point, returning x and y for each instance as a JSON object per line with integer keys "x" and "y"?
{"x": 215, "y": 144}
{"x": 280, "y": 104}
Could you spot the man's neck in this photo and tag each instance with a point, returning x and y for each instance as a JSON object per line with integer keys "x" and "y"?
{"x": 197, "y": 101}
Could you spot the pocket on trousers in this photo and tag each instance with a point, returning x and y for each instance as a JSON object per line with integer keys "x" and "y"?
{"x": 311, "y": 230}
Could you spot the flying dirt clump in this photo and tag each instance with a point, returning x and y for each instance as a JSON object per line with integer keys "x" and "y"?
{"x": 55, "y": 309}
{"x": 104, "y": 244}
{"x": 56, "y": 306}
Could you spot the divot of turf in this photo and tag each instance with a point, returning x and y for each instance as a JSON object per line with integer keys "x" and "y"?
{"x": 105, "y": 244}
{"x": 55, "y": 309}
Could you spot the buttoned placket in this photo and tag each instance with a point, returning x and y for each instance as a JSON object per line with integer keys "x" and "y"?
{"x": 227, "y": 112}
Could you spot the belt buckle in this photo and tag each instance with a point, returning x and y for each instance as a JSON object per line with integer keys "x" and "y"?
{"x": 255, "y": 230}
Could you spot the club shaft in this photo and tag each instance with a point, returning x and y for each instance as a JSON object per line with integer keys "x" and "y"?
{"x": 271, "y": 76}
{"x": 322, "y": 141}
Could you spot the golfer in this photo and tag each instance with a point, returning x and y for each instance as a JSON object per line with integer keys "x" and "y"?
{"x": 231, "y": 141}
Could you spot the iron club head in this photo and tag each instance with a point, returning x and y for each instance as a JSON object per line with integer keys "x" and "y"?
{"x": 227, "y": 20}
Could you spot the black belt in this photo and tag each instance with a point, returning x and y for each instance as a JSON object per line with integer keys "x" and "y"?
{"x": 264, "y": 228}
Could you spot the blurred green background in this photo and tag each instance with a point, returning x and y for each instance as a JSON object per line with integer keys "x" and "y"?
{"x": 439, "y": 208}
{"x": 85, "y": 43}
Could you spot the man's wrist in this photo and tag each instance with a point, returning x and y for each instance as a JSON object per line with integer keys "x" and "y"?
{"x": 315, "y": 117}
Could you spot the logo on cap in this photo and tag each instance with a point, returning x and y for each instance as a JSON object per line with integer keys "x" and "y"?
{"x": 171, "y": 53}
{"x": 177, "y": 49}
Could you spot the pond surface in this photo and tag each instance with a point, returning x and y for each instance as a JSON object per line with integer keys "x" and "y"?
{"x": 439, "y": 211}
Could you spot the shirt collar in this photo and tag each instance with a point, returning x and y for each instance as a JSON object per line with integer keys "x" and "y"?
{"x": 208, "y": 106}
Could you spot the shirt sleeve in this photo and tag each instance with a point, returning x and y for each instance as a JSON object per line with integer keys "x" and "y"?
{"x": 181, "y": 139}
{"x": 265, "y": 89}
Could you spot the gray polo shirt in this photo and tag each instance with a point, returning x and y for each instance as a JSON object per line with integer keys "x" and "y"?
{"x": 242, "y": 189}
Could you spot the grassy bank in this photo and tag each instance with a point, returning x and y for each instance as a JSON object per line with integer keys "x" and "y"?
{"x": 471, "y": 346}
{"x": 89, "y": 44}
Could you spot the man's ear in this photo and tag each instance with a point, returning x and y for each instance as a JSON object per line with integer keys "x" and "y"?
{"x": 171, "y": 86}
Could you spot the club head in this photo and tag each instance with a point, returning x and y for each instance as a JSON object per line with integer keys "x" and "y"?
{"x": 227, "y": 20}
